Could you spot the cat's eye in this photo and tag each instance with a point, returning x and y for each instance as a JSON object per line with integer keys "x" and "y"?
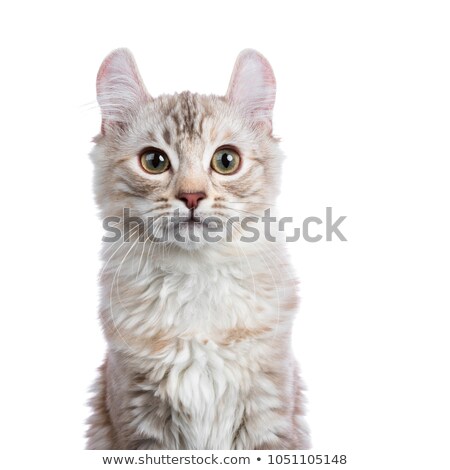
{"x": 154, "y": 161}
{"x": 225, "y": 161}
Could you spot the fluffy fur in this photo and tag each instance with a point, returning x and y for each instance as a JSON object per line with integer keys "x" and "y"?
{"x": 199, "y": 353}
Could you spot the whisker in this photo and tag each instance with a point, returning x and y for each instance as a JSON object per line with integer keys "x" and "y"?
{"x": 116, "y": 274}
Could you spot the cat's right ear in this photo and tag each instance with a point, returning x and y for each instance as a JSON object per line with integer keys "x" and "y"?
{"x": 120, "y": 89}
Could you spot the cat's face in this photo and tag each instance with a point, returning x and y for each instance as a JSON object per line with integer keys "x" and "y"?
{"x": 185, "y": 162}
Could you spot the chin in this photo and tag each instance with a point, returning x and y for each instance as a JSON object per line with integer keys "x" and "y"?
{"x": 188, "y": 237}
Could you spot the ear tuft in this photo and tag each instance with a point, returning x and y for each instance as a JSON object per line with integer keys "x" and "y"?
{"x": 253, "y": 87}
{"x": 120, "y": 89}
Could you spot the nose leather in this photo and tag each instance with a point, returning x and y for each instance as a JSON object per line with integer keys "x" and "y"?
{"x": 191, "y": 199}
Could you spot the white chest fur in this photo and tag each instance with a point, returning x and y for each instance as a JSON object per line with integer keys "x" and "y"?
{"x": 205, "y": 390}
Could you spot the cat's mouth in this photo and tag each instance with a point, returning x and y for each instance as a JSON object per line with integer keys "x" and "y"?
{"x": 190, "y": 219}
{"x": 194, "y": 218}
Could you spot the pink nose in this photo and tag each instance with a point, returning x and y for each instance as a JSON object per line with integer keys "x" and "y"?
{"x": 191, "y": 199}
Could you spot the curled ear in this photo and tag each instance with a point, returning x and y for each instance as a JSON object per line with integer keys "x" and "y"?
{"x": 120, "y": 89}
{"x": 253, "y": 87}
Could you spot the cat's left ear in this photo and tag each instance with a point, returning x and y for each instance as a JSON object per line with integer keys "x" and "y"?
{"x": 120, "y": 89}
{"x": 253, "y": 87}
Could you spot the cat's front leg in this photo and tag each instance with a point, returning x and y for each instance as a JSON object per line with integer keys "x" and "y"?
{"x": 273, "y": 416}
{"x": 100, "y": 434}
{"x": 292, "y": 437}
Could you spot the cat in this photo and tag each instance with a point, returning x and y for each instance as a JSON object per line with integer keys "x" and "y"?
{"x": 199, "y": 333}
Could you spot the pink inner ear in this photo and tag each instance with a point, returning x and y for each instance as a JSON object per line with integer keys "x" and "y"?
{"x": 120, "y": 89}
{"x": 102, "y": 72}
{"x": 253, "y": 87}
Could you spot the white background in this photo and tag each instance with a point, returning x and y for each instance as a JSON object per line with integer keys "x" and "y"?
{"x": 363, "y": 109}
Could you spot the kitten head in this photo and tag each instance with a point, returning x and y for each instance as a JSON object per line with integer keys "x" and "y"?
{"x": 186, "y": 162}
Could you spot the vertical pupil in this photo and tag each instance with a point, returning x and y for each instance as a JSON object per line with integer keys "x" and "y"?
{"x": 155, "y": 159}
{"x": 226, "y": 159}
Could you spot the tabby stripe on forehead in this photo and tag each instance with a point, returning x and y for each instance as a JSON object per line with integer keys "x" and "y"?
{"x": 200, "y": 124}
{"x": 189, "y": 121}
{"x": 176, "y": 121}
{"x": 189, "y": 109}
{"x": 188, "y": 117}
{"x": 166, "y": 136}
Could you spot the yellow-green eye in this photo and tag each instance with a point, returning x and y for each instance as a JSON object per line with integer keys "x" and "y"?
{"x": 154, "y": 161}
{"x": 225, "y": 161}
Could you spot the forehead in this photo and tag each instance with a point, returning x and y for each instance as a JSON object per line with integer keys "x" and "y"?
{"x": 185, "y": 117}
{"x": 185, "y": 124}
{"x": 184, "y": 114}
